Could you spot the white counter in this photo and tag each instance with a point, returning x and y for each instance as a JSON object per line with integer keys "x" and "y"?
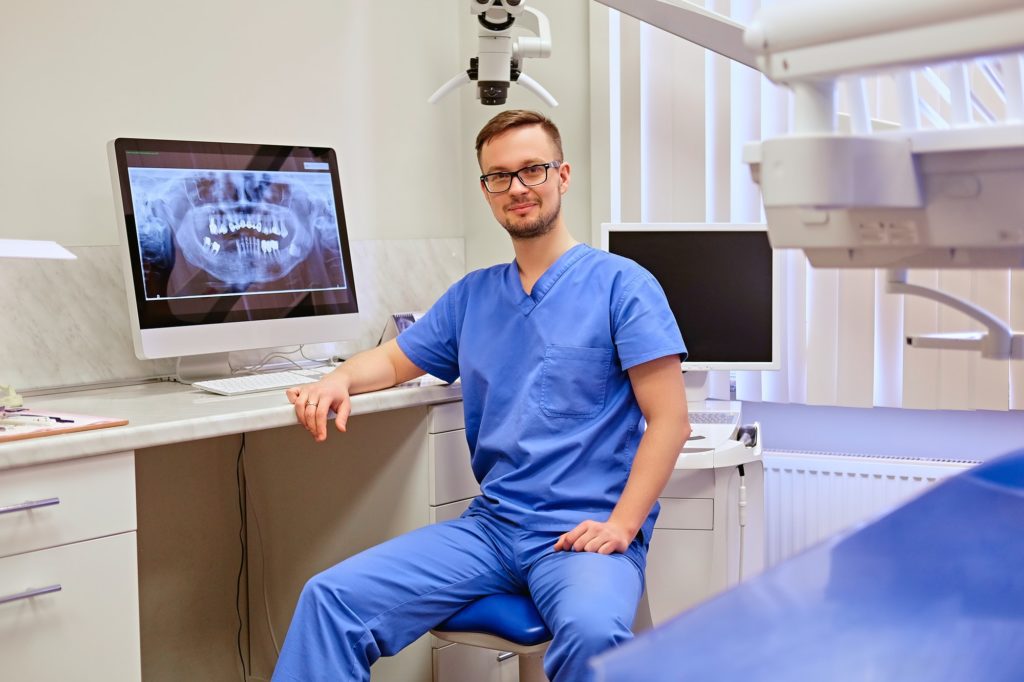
{"x": 133, "y": 532}
{"x": 161, "y": 413}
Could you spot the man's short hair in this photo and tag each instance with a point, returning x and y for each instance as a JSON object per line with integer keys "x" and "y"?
{"x": 517, "y": 118}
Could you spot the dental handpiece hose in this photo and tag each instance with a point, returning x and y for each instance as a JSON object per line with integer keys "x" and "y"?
{"x": 742, "y": 516}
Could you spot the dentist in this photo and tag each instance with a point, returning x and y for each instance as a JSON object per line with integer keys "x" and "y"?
{"x": 562, "y": 353}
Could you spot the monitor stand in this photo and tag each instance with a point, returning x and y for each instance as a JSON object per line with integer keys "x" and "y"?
{"x": 192, "y": 368}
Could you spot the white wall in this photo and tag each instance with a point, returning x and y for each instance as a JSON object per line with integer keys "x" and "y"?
{"x": 566, "y": 75}
{"x": 349, "y": 74}
{"x": 354, "y": 75}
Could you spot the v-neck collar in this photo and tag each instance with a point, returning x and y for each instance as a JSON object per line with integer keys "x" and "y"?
{"x": 527, "y": 302}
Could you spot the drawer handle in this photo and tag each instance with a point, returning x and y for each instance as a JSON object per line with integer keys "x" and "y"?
{"x": 28, "y": 594}
{"x": 505, "y": 656}
{"x": 26, "y": 506}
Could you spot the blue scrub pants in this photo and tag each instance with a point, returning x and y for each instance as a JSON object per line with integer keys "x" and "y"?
{"x": 379, "y": 601}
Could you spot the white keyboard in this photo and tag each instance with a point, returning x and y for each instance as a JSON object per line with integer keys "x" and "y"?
{"x": 256, "y": 383}
{"x": 714, "y": 417}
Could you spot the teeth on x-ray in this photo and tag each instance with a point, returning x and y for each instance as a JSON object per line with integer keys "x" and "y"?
{"x": 239, "y": 227}
{"x": 212, "y": 246}
{"x": 255, "y": 237}
{"x": 243, "y": 227}
{"x": 232, "y": 224}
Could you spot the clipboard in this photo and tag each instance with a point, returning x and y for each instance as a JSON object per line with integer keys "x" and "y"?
{"x": 29, "y": 423}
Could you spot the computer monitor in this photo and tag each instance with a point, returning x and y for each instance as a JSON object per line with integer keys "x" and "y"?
{"x": 722, "y": 284}
{"x": 231, "y": 247}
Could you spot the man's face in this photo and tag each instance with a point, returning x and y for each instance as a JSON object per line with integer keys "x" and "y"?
{"x": 525, "y": 212}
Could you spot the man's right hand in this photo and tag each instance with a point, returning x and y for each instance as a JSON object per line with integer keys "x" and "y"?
{"x": 371, "y": 370}
{"x": 313, "y": 401}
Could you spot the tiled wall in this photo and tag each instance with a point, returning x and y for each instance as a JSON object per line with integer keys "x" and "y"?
{"x": 65, "y": 323}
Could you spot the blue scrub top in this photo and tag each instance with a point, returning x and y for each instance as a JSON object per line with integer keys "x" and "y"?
{"x": 551, "y": 418}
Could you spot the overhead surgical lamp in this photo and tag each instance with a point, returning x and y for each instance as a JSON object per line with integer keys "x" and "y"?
{"x": 499, "y": 63}
{"x": 899, "y": 199}
{"x": 28, "y": 249}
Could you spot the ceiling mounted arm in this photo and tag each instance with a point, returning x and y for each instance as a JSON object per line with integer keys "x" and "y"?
{"x": 708, "y": 29}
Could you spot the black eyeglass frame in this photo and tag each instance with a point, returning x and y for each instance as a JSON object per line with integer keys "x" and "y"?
{"x": 515, "y": 175}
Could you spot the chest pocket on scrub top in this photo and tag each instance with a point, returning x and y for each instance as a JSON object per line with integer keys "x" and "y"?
{"x": 574, "y": 381}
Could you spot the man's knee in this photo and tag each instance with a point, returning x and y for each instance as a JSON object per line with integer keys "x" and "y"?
{"x": 319, "y": 587}
{"x": 591, "y": 634}
{"x": 326, "y": 593}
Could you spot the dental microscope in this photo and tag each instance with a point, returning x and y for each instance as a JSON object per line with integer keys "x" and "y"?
{"x": 500, "y": 55}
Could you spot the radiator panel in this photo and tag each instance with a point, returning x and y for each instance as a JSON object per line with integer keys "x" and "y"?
{"x": 810, "y": 496}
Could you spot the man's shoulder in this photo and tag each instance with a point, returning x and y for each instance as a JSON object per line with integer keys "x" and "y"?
{"x": 476, "y": 280}
{"x": 612, "y": 261}
{"x": 617, "y": 268}
{"x": 481, "y": 276}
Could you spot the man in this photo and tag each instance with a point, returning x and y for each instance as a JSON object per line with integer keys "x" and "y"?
{"x": 561, "y": 352}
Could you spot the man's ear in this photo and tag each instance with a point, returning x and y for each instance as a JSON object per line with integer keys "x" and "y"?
{"x": 564, "y": 173}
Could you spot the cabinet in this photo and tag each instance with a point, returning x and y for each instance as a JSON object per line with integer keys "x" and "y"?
{"x": 461, "y": 663}
{"x": 450, "y": 478}
{"x": 695, "y": 551}
{"x": 145, "y": 543}
{"x": 69, "y": 600}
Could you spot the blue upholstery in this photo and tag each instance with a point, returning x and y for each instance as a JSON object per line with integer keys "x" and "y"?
{"x": 509, "y": 616}
{"x": 932, "y": 591}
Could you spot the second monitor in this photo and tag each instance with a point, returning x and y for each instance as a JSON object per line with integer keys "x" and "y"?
{"x": 721, "y": 282}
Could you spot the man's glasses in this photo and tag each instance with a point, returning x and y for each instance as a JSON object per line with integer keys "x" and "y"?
{"x": 537, "y": 174}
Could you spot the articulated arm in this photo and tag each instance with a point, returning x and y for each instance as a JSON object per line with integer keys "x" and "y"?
{"x": 691, "y": 22}
{"x": 999, "y": 342}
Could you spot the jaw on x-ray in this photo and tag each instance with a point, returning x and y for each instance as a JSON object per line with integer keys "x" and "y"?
{"x": 236, "y": 231}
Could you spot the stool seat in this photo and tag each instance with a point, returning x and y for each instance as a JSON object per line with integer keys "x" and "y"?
{"x": 512, "y": 617}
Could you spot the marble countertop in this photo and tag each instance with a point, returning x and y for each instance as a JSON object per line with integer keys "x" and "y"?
{"x": 164, "y": 412}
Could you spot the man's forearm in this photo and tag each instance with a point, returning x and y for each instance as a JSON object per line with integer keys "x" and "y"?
{"x": 655, "y": 459}
{"x": 370, "y": 370}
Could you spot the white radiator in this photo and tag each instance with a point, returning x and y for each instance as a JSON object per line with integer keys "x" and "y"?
{"x": 809, "y": 496}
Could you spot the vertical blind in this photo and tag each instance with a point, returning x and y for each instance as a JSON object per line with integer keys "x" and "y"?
{"x": 669, "y": 123}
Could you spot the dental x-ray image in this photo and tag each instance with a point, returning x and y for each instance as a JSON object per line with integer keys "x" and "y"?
{"x": 217, "y": 232}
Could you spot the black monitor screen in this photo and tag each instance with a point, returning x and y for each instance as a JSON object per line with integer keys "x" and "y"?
{"x": 221, "y": 232}
{"x": 718, "y": 284}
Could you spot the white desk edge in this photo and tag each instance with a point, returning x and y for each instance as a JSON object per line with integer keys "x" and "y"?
{"x": 165, "y": 412}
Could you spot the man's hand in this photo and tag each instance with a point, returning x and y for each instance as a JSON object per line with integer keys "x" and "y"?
{"x": 313, "y": 402}
{"x": 595, "y": 536}
{"x": 371, "y": 370}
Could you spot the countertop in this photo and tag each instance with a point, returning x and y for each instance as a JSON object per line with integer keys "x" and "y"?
{"x": 160, "y": 413}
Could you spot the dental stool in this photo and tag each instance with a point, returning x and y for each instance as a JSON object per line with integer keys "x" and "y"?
{"x": 503, "y": 622}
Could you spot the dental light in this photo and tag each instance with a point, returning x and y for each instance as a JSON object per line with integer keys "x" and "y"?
{"x": 500, "y": 60}
{"x": 909, "y": 198}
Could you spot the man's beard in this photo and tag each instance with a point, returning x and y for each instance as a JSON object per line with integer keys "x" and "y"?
{"x": 537, "y": 228}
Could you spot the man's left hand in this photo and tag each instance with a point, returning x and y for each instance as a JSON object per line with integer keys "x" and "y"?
{"x": 595, "y": 536}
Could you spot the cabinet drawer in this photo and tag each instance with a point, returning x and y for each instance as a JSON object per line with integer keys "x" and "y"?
{"x": 447, "y": 512}
{"x": 679, "y": 571}
{"x": 447, "y": 417}
{"x": 690, "y": 483}
{"x": 698, "y": 514}
{"x": 86, "y": 631}
{"x": 462, "y": 663}
{"x": 450, "y": 475}
{"x": 61, "y": 502}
